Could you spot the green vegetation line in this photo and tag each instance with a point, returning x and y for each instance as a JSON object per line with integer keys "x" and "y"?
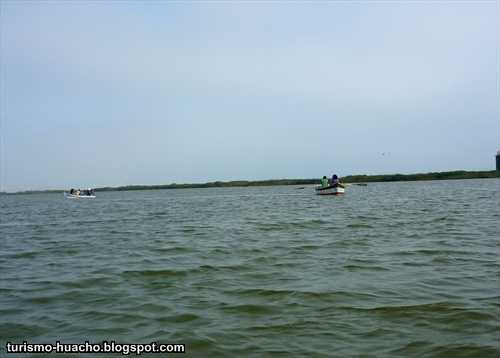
{"x": 460, "y": 174}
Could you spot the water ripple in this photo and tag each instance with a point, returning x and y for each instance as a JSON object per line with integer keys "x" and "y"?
{"x": 391, "y": 269}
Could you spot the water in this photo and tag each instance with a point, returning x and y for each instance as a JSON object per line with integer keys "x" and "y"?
{"x": 388, "y": 270}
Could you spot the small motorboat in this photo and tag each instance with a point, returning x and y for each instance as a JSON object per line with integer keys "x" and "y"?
{"x": 81, "y": 195}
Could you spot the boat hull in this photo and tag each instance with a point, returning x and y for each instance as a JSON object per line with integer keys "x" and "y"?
{"x": 335, "y": 189}
{"x": 74, "y": 196}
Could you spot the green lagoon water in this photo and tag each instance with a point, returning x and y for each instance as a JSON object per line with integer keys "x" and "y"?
{"x": 405, "y": 269}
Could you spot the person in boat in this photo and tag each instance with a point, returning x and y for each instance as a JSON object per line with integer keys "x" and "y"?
{"x": 335, "y": 179}
{"x": 78, "y": 192}
{"x": 72, "y": 191}
{"x": 324, "y": 181}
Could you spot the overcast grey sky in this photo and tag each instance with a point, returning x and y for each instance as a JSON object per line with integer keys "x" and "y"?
{"x": 109, "y": 93}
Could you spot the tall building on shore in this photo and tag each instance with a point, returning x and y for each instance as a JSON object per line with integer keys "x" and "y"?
{"x": 498, "y": 160}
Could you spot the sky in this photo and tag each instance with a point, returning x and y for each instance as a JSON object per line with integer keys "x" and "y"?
{"x": 111, "y": 93}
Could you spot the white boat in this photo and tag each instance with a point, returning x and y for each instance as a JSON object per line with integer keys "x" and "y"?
{"x": 81, "y": 196}
{"x": 335, "y": 189}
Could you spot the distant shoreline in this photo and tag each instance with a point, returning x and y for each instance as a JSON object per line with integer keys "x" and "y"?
{"x": 460, "y": 174}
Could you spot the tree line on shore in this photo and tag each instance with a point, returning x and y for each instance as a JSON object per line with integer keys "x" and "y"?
{"x": 459, "y": 174}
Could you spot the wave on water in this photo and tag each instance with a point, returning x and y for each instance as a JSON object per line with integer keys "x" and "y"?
{"x": 391, "y": 269}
